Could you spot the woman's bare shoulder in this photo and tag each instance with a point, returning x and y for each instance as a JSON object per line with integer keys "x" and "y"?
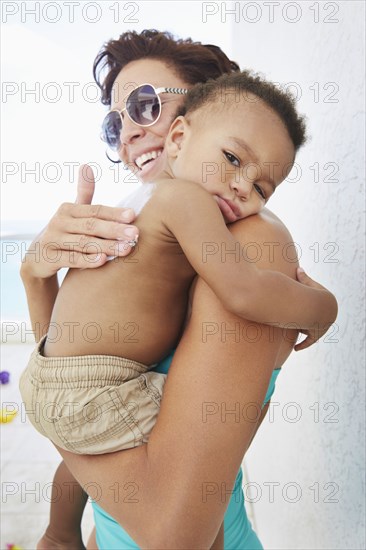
{"x": 265, "y": 224}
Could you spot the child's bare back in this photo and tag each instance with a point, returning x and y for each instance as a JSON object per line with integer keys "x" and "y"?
{"x": 133, "y": 306}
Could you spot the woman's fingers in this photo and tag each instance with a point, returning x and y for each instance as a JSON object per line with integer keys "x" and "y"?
{"x": 90, "y": 245}
{"x": 55, "y": 258}
{"x": 312, "y": 336}
{"x": 67, "y": 224}
{"x": 82, "y": 234}
{"x": 304, "y": 279}
{"x": 68, "y": 258}
{"x": 98, "y": 211}
{"x": 84, "y": 196}
{"x": 306, "y": 343}
{"x": 43, "y": 261}
{"x": 45, "y": 258}
{"x": 76, "y": 237}
{"x": 329, "y": 313}
{"x": 86, "y": 185}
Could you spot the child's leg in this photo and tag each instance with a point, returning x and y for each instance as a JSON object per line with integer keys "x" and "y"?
{"x": 218, "y": 543}
{"x": 67, "y": 506}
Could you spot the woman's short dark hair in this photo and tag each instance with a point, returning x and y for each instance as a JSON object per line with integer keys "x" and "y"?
{"x": 192, "y": 61}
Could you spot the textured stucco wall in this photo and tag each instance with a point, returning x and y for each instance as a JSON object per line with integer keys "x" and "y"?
{"x": 316, "y": 462}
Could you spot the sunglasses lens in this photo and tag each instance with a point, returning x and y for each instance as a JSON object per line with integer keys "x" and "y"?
{"x": 143, "y": 105}
{"x": 143, "y": 108}
{"x": 111, "y": 130}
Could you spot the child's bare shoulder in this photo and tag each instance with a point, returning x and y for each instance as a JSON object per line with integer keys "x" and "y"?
{"x": 173, "y": 189}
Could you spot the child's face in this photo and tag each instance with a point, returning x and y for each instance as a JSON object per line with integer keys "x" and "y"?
{"x": 239, "y": 152}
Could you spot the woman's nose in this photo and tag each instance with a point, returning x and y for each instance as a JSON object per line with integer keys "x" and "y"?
{"x": 130, "y": 131}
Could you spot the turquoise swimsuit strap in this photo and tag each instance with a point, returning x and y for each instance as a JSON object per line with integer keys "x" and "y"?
{"x": 271, "y": 385}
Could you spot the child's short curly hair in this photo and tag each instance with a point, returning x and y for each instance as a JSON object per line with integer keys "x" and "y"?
{"x": 237, "y": 86}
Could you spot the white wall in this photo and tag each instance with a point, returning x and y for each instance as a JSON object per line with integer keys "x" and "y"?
{"x": 326, "y": 217}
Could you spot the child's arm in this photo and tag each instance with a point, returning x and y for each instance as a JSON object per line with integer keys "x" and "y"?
{"x": 269, "y": 297}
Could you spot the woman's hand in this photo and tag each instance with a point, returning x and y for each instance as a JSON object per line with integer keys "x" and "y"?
{"x": 80, "y": 235}
{"x": 314, "y": 334}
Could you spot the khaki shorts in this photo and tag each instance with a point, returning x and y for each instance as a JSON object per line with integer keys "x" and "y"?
{"x": 91, "y": 404}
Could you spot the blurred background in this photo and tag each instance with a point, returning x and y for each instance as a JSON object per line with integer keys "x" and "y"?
{"x": 304, "y": 474}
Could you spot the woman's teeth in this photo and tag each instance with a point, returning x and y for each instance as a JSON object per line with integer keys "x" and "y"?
{"x": 146, "y": 157}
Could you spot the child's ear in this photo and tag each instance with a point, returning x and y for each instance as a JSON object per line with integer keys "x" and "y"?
{"x": 176, "y": 136}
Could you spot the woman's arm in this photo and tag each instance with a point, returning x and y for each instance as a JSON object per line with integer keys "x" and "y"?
{"x": 219, "y": 258}
{"x": 173, "y": 492}
{"x": 71, "y": 239}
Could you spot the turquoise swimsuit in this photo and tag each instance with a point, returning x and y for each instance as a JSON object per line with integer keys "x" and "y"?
{"x": 239, "y": 534}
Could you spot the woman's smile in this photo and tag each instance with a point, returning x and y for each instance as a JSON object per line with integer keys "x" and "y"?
{"x": 148, "y": 163}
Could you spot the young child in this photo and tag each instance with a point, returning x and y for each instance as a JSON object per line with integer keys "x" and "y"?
{"x": 90, "y": 388}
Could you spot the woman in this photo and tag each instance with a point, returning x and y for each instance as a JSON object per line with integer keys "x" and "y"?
{"x": 181, "y": 498}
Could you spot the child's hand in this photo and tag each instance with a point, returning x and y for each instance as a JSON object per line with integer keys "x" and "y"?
{"x": 315, "y": 333}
